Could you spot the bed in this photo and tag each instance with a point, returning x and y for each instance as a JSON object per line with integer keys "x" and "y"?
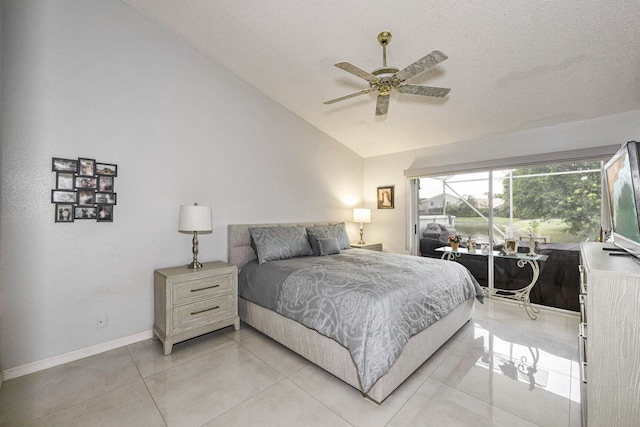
{"x": 333, "y": 354}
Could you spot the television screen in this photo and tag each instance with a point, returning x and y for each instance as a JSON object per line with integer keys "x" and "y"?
{"x": 623, "y": 188}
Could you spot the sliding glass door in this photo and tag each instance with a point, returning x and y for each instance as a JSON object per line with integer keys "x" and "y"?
{"x": 546, "y": 209}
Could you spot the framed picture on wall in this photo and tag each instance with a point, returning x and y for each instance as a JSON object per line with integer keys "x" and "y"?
{"x": 86, "y": 167}
{"x": 105, "y": 183}
{"x": 86, "y": 197}
{"x": 85, "y": 212}
{"x": 105, "y": 213}
{"x": 63, "y": 196}
{"x": 86, "y": 182}
{"x": 106, "y": 169}
{"x": 385, "y": 197}
{"x": 64, "y": 165}
{"x": 105, "y": 198}
{"x": 83, "y": 189}
{"x": 64, "y": 213}
{"x": 64, "y": 181}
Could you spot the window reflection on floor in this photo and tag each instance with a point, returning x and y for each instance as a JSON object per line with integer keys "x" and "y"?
{"x": 512, "y": 355}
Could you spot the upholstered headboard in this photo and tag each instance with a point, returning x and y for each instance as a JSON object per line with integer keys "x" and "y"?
{"x": 239, "y": 240}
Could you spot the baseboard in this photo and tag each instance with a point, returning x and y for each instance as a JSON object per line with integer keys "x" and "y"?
{"x": 39, "y": 365}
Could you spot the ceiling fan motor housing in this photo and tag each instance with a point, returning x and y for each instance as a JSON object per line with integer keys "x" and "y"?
{"x": 386, "y": 78}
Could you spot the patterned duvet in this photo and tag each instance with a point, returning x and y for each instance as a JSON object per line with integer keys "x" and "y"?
{"x": 370, "y": 302}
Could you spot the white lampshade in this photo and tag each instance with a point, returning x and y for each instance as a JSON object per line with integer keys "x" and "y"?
{"x": 362, "y": 215}
{"x": 194, "y": 218}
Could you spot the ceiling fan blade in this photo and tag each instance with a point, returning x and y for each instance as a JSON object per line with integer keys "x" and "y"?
{"x": 438, "y": 92}
{"x": 382, "y": 105}
{"x": 357, "y": 71}
{"x": 351, "y": 95}
{"x": 421, "y": 65}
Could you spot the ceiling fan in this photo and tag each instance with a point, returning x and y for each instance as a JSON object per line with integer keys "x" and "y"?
{"x": 385, "y": 78}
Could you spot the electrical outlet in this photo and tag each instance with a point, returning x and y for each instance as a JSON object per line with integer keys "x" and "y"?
{"x": 102, "y": 321}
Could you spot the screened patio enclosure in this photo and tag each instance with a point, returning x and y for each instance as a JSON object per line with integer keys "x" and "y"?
{"x": 553, "y": 206}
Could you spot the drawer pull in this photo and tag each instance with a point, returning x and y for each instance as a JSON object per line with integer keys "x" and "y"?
{"x": 203, "y": 289}
{"x": 205, "y": 310}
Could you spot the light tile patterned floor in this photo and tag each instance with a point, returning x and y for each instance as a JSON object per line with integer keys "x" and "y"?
{"x": 501, "y": 369}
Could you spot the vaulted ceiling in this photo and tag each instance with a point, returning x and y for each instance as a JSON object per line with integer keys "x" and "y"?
{"x": 513, "y": 64}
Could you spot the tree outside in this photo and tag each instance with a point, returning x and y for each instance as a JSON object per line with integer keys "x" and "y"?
{"x": 550, "y": 194}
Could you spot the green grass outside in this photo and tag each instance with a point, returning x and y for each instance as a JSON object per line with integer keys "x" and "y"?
{"x": 554, "y": 230}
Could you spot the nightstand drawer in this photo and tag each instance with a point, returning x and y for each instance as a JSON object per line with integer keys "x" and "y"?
{"x": 203, "y": 312}
{"x": 197, "y": 290}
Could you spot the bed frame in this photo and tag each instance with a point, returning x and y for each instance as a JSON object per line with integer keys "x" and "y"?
{"x": 326, "y": 352}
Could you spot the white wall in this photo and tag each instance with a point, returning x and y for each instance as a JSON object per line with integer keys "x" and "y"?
{"x": 390, "y": 226}
{"x": 92, "y": 78}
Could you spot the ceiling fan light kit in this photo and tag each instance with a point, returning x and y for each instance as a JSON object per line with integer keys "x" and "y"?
{"x": 385, "y": 79}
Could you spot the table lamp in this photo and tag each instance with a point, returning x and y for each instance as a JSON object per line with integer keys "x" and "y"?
{"x": 362, "y": 216}
{"x": 194, "y": 218}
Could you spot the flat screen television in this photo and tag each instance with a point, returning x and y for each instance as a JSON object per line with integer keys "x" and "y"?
{"x": 622, "y": 176}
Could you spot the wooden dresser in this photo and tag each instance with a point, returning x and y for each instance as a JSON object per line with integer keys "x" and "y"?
{"x": 610, "y": 337}
{"x": 188, "y": 303}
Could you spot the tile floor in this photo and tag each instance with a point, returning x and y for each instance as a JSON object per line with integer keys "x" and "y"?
{"x": 501, "y": 369}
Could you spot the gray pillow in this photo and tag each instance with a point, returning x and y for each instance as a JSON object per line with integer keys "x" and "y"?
{"x": 274, "y": 243}
{"x": 338, "y": 231}
{"x": 328, "y": 246}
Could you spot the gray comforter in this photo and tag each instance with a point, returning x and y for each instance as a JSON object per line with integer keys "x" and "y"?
{"x": 370, "y": 302}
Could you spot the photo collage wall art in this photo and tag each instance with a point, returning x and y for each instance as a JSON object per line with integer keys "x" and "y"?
{"x": 84, "y": 190}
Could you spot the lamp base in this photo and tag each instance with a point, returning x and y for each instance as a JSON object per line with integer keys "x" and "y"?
{"x": 194, "y": 265}
{"x": 361, "y": 242}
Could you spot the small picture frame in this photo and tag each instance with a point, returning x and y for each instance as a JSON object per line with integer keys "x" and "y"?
{"x": 86, "y": 167}
{"x": 105, "y": 198}
{"x": 86, "y": 197}
{"x": 511, "y": 246}
{"x": 64, "y": 165}
{"x": 64, "y": 212}
{"x": 83, "y": 182}
{"x": 105, "y": 183}
{"x": 64, "y": 180}
{"x": 106, "y": 169}
{"x": 64, "y": 196}
{"x": 105, "y": 213}
{"x": 385, "y": 197}
{"x": 85, "y": 212}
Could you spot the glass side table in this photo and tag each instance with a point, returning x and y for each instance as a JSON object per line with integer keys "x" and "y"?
{"x": 520, "y": 295}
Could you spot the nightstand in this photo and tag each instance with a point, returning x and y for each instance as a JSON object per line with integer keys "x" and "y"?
{"x": 370, "y": 246}
{"x": 188, "y": 303}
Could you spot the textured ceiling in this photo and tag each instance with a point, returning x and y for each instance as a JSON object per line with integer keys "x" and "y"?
{"x": 513, "y": 64}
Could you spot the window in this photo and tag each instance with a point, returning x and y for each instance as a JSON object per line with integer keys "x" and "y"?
{"x": 558, "y": 205}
